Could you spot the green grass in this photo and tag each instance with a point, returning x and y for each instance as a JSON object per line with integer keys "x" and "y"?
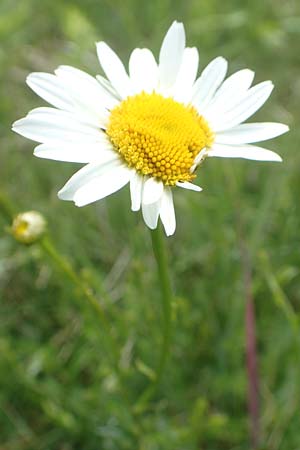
{"x": 58, "y": 389}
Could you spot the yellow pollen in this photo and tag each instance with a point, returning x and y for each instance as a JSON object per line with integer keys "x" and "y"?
{"x": 158, "y": 136}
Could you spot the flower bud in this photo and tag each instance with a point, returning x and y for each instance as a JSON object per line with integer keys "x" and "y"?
{"x": 28, "y": 227}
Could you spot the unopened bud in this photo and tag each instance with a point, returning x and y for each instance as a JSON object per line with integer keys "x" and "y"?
{"x": 28, "y": 227}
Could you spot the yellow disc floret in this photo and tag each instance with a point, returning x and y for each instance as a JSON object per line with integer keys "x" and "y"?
{"x": 158, "y": 136}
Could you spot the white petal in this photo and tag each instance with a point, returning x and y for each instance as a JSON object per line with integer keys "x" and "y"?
{"x": 243, "y": 151}
{"x": 103, "y": 185}
{"x": 208, "y": 82}
{"x": 152, "y": 191}
{"x": 167, "y": 212}
{"x": 229, "y": 92}
{"x": 198, "y": 159}
{"x": 143, "y": 70}
{"x": 245, "y": 106}
{"x": 150, "y": 214}
{"x": 239, "y": 81}
{"x": 107, "y": 86}
{"x": 73, "y": 90}
{"x": 71, "y": 73}
{"x": 251, "y": 132}
{"x": 170, "y": 56}
{"x": 114, "y": 69}
{"x": 136, "y": 188}
{"x": 53, "y": 125}
{"x": 187, "y": 74}
{"x": 51, "y": 89}
{"x": 78, "y": 153}
{"x": 190, "y": 186}
{"x": 85, "y": 175}
{"x": 88, "y": 95}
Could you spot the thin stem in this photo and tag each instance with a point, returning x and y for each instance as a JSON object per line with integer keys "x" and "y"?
{"x": 6, "y": 207}
{"x": 166, "y": 290}
{"x": 250, "y": 320}
{"x": 160, "y": 254}
{"x": 86, "y": 292}
{"x": 48, "y": 247}
{"x": 250, "y": 336}
{"x": 253, "y": 386}
{"x": 67, "y": 269}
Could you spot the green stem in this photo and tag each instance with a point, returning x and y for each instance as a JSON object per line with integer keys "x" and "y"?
{"x": 6, "y": 207}
{"x": 86, "y": 292}
{"x": 64, "y": 265}
{"x": 160, "y": 254}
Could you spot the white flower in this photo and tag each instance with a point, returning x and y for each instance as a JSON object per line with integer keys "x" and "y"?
{"x": 28, "y": 227}
{"x": 150, "y": 128}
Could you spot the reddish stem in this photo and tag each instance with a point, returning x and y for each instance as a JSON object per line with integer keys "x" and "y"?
{"x": 252, "y": 371}
{"x": 250, "y": 337}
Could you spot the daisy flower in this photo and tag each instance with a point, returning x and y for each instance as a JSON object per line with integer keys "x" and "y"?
{"x": 150, "y": 127}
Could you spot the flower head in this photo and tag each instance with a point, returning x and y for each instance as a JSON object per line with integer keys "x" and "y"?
{"x": 150, "y": 128}
{"x": 28, "y": 227}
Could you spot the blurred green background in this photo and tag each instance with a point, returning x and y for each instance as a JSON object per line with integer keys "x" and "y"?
{"x": 57, "y": 387}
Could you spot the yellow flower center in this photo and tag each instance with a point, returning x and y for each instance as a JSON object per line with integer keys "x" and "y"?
{"x": 158, "y": 136}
